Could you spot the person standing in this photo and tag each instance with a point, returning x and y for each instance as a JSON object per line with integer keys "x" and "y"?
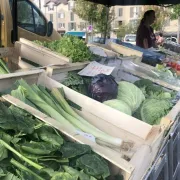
{"x": 145, "y": 37}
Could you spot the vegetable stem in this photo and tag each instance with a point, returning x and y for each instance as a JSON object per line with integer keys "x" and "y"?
{"x": 37, "y": 166}
{"x": 20, "y": 166}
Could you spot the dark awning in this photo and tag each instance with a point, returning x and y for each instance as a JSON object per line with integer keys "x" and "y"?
{"x": 135, "y": 2}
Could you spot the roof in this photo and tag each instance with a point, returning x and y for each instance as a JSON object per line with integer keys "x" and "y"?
{"x": 56, "y": 2}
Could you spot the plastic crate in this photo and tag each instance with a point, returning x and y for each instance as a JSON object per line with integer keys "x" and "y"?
{"x": 167, "y": 164}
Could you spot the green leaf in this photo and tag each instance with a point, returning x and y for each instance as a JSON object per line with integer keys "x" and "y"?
{"x": 63, "y": 176}
{"x": 10, "y": 176}
{"x": 39, "y": 148}
{"x": 71, "y": 150}
{"x": 3, "y": 152}
{"x": 93, "y": 165}
{"x": 49, "y": 137}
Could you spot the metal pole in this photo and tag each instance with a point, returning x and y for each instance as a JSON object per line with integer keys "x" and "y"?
{"x": 178, "y": 33}
{"x": 15, "y": 27}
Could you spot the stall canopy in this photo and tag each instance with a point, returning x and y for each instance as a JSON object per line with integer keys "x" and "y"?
{"x": 135, "y": 2}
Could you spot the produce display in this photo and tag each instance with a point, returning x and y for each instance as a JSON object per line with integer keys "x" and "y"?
{"x": 143, "y": 99}
{"x": 54, "y": 104}
{"x": 3, "y": 68}
{"x": 70, "y": 46}
{"x": 32, "y": 150}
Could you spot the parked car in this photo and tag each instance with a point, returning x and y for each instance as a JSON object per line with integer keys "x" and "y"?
{"x": 171, "y": 39}
{"x": 130, "y": 38}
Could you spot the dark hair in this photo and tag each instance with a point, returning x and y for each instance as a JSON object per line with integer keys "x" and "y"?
{"x": 146, "y": 14}
{"x": 161, "y": 34}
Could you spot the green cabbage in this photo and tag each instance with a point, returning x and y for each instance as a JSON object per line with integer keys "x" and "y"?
{"x": 130, "y": 94}
{"x": 152, "y": 110}
{"x": 119, "y": 105}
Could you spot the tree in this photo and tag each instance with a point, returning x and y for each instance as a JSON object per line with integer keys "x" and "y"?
{"x": 175, "y": 14}
{"x": 129, "y": 28}
{"x": 98, "y": 15}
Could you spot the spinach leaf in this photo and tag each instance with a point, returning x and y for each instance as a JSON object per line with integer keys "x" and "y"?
{"x": 71, "y": 150}
{"x": 18, "y": 122}
{"x": 10, "y": 176}
{"x": 93, "y": 165}
{"x": 63, "y": 176}
{"x": 3, "y": 152}
{"x": 49, "y": 137}
{"x": 39, "y": 148}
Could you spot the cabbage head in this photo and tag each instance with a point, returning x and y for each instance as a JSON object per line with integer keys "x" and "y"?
{"x": 152, "y": 110}
{"x": 130, "y": 94}
{"x": 119, "y": 105}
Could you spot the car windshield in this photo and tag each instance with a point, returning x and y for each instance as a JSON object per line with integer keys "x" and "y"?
{"x": 130, "y": 38}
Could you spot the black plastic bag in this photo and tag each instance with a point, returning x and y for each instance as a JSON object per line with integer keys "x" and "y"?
{"x": 103, "y": 87}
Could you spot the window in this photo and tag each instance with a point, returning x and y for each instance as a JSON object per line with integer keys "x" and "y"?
{"x": 61, "y": 15}
{"x": 135, "y": 12}
{"x": 51, "y": 17}
{"x": 50, "y": 8}
{"x": 72, "y": 16}
{"x": 61, "y": 25}
{"x": 120, "y": 11}
{"x": 30, "y": 18}
{"x": 71, "y": 26}
{"x": 82, "y": 26}
{"x": 70, "y": 5}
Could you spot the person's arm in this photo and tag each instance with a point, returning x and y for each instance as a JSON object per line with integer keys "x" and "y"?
{"x": 145, "y": 43}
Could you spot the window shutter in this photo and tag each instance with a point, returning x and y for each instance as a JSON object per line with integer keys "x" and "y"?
{"x": 131, "y": 12}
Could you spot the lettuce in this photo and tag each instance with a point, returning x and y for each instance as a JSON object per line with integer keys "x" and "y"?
{"x": 152, "y": 110}
{"x": 130, "y": 94}
{"x": 119, "y": 105}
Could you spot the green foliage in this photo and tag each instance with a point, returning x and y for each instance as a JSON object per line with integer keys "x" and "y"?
{"x": 72, "y": 47}
{"x": 77, "y": 82}
{"x": 96, "y": 14}
{"x": 42, "y": 153}
{"x": 175, "y": 11}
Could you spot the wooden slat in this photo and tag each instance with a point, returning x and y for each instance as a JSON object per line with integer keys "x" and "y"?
{"x": 124, "y": 50}
{"x": 40, "y": 55}
{"x": 106, "y": 153}
{"x": 108, "y": 114}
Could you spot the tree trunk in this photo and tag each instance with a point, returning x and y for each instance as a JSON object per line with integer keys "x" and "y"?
{"x": 106, "y": 27}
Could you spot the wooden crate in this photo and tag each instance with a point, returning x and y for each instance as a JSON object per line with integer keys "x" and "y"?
{"x": 144, "y": 138}
{"x": 125, "y": 51}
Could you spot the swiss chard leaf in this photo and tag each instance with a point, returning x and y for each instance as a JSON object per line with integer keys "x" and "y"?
{"x": 3, "y": 152}
{"x": 71, "y": 150}
{"x": 93, "y": 165}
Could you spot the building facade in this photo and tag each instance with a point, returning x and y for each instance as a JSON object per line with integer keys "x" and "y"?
{"x": 60, "y": 12}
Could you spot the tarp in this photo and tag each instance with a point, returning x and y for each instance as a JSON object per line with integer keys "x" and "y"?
{"x": 135, "y": 2}
{"x": 77, "y": 33}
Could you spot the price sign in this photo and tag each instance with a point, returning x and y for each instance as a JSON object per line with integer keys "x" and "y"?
{"x": 95, "y": 68}
{"x": 88, "y": 136}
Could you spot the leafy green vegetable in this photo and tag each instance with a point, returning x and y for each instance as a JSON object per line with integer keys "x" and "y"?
{"x": 152, "y": 110}
{"x": 77, "y": 82}
{"x": 119, "y": 105}
{"x": 93, "y": 165}
{"x": 130, "y": 94}
{"x": 71, "y": 150}
{"x": 63, "y": 176}
{"x": 42, "y": 153}
{"x": 70, "y": 46}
